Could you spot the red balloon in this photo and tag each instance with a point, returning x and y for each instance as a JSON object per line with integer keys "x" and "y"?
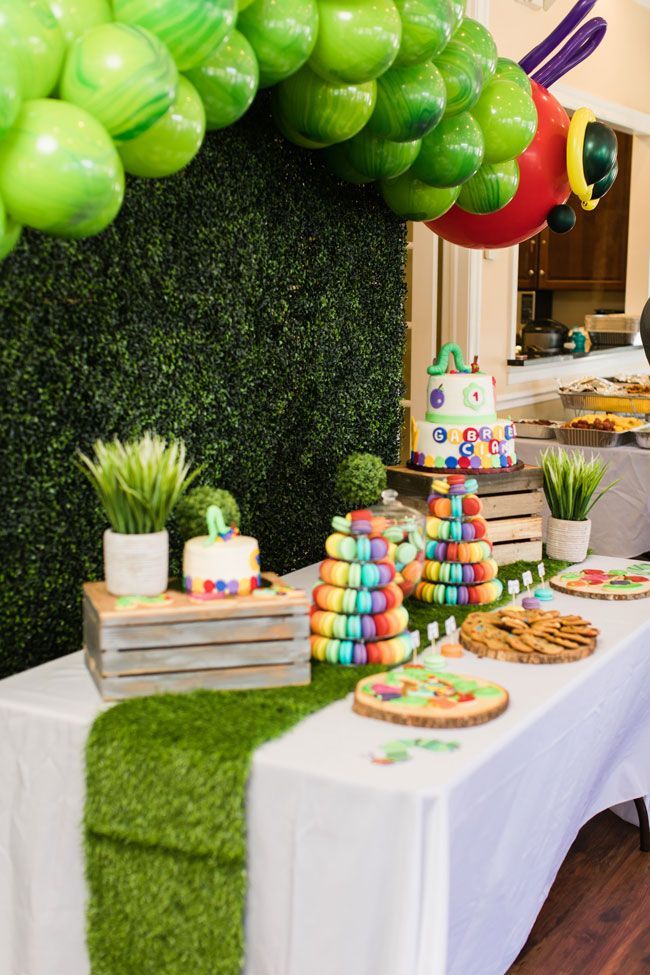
{"x": 543, "y": 184}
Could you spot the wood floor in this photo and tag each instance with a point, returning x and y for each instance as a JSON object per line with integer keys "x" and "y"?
{"x": 596, "y": 920}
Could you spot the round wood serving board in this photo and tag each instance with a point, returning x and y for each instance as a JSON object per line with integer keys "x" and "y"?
{"x": 416, "y": 680}
{"x": 517, "y": 657}
{"x": 597, "y": 592}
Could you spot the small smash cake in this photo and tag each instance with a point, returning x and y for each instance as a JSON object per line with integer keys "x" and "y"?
{"x": 461, "y": 431}
{"x": 221, "y": 563}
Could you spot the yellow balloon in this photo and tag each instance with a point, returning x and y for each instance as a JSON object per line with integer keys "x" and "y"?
{"x": 574, "y": 156}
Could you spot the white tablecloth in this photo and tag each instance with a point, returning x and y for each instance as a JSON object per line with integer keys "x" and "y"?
{"x": 435, "y": 867}
{"x": 621, "y": 521}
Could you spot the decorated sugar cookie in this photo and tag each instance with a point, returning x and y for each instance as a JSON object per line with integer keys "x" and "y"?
{"x": 628, "y": 582}
{"x": 417, "y": 696}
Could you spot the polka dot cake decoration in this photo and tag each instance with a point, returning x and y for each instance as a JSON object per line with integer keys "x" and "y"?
{"x": 459, "y": 569}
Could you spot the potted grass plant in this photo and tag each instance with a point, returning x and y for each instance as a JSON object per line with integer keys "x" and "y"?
{"x": 571, "y": 484}
{"x": 138, "y": 484}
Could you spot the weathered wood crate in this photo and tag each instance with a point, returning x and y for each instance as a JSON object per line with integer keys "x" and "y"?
{"x": 512, "y": 505}
{"x": 136, "y": 649}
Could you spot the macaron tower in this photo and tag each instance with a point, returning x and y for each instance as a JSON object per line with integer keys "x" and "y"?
{"x": 358, "y": 617}
{"x": 459, "y": 569}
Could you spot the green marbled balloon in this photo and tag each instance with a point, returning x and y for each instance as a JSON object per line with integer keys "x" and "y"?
{"x": 457, "y": 13}
{"x": 59, "y": 170}
{"x": 9, "y": 239}
{"x": 9, "y": 92}
{"x": 510, "y": 71}
{"x": 122, "y": 75}
{"x": 452, "y": 153}
{"x": 30, "y": 34}
{"x": 322, "y": 113}
{"x": 491, "y": 189}
{"x": 357, "y": 40}
{"x": 227, "y": 81}
{"x": 77, "y": 16}
{"x": 191, "y": 29}
{"x": 508, "y": 120}
{"x": 481, "y": 43}
{"x": 462, "y": 76}
{"x": 282, "y": 36}
{"x": 412, "y": 199}
{"x": 379, "y": 158}
{"x": 336, "y": 159}
{"x": 410, "y": 103}
{"x": 426, "y": 30}
{"x": 172, "y": 142}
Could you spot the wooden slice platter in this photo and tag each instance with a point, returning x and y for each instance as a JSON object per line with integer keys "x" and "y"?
{"x": 415, "y": 696}
{"x": 629, "y": 582}
{"x": 528, "y": 636}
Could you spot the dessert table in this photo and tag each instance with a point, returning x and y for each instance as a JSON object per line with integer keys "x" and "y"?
{"x": 437, "y": 866}
{"x": 611, "y": 533}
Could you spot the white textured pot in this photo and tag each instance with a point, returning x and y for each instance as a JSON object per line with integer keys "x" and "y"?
{"x": 136, "y": 565}
{"x": 567, "y": 540}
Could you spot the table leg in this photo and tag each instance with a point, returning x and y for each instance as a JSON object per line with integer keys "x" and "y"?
{"x": 644, "y": 824}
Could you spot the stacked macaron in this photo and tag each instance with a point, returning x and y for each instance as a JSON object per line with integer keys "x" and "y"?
{"x": 358, "y": 616}
{"x": 459, "y": 569}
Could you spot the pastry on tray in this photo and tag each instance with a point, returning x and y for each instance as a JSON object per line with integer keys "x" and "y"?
{"x": 528, "y": 636}
{"x": 609, "y": 422}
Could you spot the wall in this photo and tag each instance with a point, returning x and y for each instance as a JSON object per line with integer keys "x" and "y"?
{"x": 252, "y": 305}
{"x": 618, "y": 72}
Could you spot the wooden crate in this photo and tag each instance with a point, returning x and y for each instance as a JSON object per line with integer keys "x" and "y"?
{"x": 512, "y": 505}
{"x": 235, "y": 643}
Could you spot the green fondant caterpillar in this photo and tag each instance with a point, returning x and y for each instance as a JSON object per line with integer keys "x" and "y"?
{"x": 440, "y": 366}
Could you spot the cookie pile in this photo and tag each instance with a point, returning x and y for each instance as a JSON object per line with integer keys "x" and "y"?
{"x": 531, "y": 636}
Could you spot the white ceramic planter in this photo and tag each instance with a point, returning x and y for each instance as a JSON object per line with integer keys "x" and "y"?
{"x": 567, "y": 540}
{"x": 136, "y": 565}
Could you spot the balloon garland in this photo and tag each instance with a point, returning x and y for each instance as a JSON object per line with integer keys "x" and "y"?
{"x": 408, "y": 93}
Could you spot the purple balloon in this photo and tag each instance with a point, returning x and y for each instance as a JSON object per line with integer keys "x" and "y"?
{"x": 538, "y": 54}
{"x": 581, "y": 46}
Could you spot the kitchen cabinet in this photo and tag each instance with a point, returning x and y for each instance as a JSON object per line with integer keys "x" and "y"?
{"x": 593, "y": 256}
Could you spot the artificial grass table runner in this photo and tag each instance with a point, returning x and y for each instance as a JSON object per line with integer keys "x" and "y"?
{"x": 165, "y": 818}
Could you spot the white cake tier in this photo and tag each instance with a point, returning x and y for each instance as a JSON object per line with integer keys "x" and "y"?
{"x": 460, "y": 398}
{"x": 223, "y": 568}
{"x": 463, "y": 447}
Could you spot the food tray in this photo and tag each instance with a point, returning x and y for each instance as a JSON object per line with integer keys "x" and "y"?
{"x": 577, "y": 437}
{"x": 619, "y": 324}
{"x": 642, "y": 438}
{"x": 535, "y": 431}
{"x": 599, "y": 403}
{"x": 614, "y": 339}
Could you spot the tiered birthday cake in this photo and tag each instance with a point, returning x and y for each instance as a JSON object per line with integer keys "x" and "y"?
{"x": 461, "y": 430}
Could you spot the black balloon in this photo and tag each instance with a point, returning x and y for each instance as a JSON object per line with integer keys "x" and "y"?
{"x": 605, "y": 184}
{"x": 561, "y": 219}
{"x": 599, "y": 152}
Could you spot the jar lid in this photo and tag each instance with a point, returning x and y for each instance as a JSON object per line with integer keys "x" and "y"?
{"x": 397, "y": 513}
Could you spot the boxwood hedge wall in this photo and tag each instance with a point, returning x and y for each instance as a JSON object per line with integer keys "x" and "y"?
{"x": 252, "y": 305}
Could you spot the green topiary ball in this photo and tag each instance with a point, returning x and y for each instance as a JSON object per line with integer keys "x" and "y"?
{"x": 191, "y": 510}
{"x": 360, "y": 479}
